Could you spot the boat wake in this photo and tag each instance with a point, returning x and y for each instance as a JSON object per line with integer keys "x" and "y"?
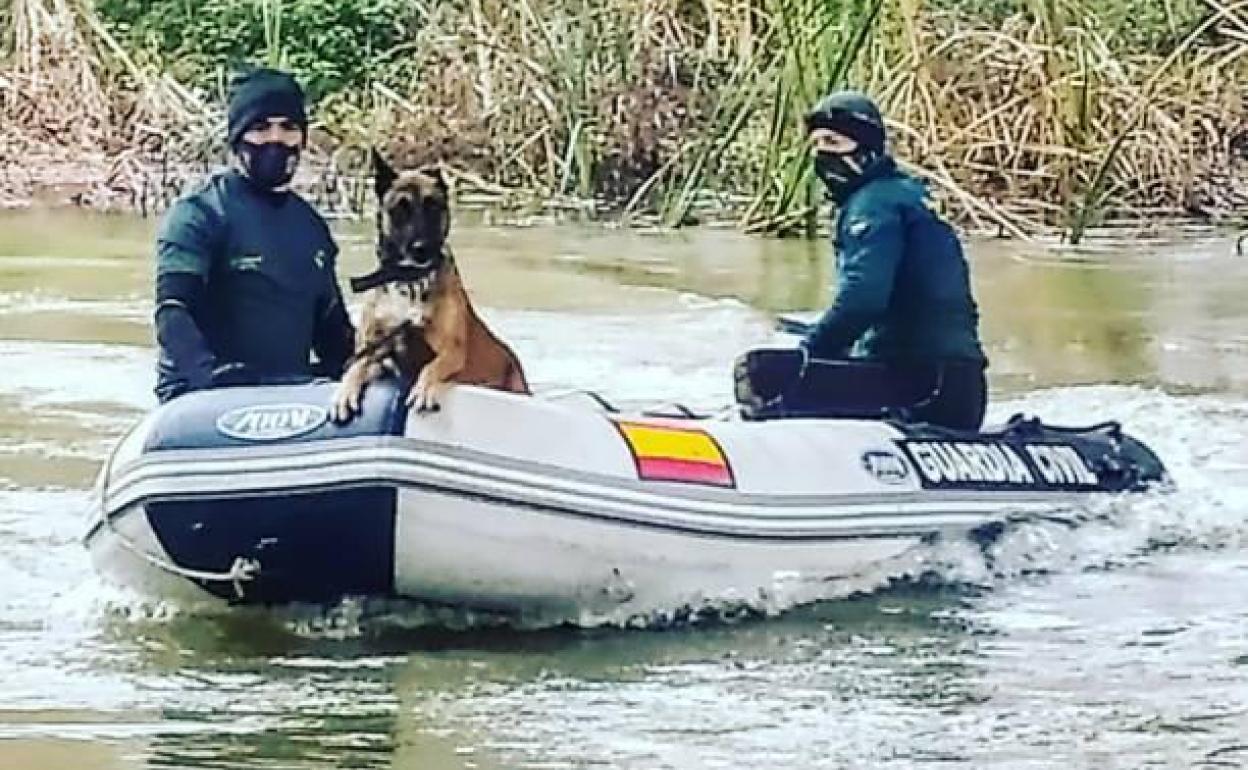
{"x": 1203, "y": 439}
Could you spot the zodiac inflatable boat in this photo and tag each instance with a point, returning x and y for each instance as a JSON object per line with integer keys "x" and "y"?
{"x": 510, "y": 503}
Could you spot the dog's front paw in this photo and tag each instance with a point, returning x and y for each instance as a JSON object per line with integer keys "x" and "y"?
{"x": 423, "y": 397}
{"x": 346, "y": 402}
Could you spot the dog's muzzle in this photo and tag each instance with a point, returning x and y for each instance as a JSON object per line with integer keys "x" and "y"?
{"x": 407, "y": 269}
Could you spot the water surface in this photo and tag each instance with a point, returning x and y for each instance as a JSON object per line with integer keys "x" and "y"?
{"x": 1120, "y": 641}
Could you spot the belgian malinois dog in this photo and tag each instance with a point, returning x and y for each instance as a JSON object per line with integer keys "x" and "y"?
{"x": 417, "y": 322}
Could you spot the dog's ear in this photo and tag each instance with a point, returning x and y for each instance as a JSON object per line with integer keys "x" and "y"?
{"x": 436, "y": 172}
{"x": 383, "y": 174}
{"x": 433, "y": 172}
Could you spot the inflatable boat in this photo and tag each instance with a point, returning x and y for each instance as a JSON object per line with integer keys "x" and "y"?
{"x": 510, "y": 503}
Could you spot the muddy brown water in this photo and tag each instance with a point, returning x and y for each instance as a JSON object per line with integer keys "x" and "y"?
{"x": 1121, "y": 642}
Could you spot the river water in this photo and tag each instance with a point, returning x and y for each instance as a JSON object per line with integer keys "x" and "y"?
{"x": 1120, "y": 641}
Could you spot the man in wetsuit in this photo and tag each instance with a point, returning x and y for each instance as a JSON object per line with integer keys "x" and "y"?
{"x": 902, "y": 333}
{"x": 246, "y": 280}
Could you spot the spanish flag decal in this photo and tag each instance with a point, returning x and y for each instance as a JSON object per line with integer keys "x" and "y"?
{"x": 674, "y": 452}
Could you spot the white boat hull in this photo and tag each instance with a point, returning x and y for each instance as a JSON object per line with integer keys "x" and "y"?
{"x": 527, "y": 505}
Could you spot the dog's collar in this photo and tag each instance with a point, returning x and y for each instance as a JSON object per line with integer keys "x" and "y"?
{"x": 388, "y": 274}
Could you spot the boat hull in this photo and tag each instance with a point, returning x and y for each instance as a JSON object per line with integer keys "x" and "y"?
{"x": 527, "y": 505}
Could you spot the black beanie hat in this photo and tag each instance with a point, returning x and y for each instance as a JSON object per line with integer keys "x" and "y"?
{"x": 851, "y": 113}
{"x": 258, "y": 94}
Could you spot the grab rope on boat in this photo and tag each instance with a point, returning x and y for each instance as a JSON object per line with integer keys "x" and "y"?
{"x": 241, "y": 571}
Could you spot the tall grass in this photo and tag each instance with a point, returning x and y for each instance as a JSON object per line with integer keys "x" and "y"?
{"x": 1054, "y": 127}
{"x": 274, "y": 53}
{"x": 650, "y": 108}
{"x": 821, "y": 44}
{"x": 1031, "y": 119}
{"x": 74, "y": 102}
{"x": 1096, "y": 194}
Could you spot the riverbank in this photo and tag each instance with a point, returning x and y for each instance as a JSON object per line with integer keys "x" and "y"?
{"x": 1028, "y": 118}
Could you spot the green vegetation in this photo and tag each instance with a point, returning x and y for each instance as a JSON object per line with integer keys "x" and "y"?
{"x": 1027, "y": 115}
{"x": 333, "y": 45}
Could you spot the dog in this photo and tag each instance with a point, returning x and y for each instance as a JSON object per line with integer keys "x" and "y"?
{"x": 417, "y": 321}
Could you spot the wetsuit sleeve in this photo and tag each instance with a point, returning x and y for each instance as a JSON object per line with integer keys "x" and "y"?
{"x": 870, "y": 248}
{"x": 333, "y": 338}
{"x": 185, "y": 243}
{"x": 186, "y": 362}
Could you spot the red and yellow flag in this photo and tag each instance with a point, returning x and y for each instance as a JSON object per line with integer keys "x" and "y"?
{"x": 673, "y": 452}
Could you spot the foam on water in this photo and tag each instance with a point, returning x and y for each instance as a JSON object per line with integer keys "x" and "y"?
{"x": 131, "y": 309}
{"x": 1201, "y": 439}
{"x": 46, "y": 375}
{"x": 1207, "y": 511}
{"x": 1110, "y": 636}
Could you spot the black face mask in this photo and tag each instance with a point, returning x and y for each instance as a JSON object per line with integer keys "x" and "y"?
{"x": 838, "y": 171}
{"x": 269, "y": 165}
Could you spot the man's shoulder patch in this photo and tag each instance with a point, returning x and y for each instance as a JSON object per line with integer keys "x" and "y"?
{"x": 246, "y": 262}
